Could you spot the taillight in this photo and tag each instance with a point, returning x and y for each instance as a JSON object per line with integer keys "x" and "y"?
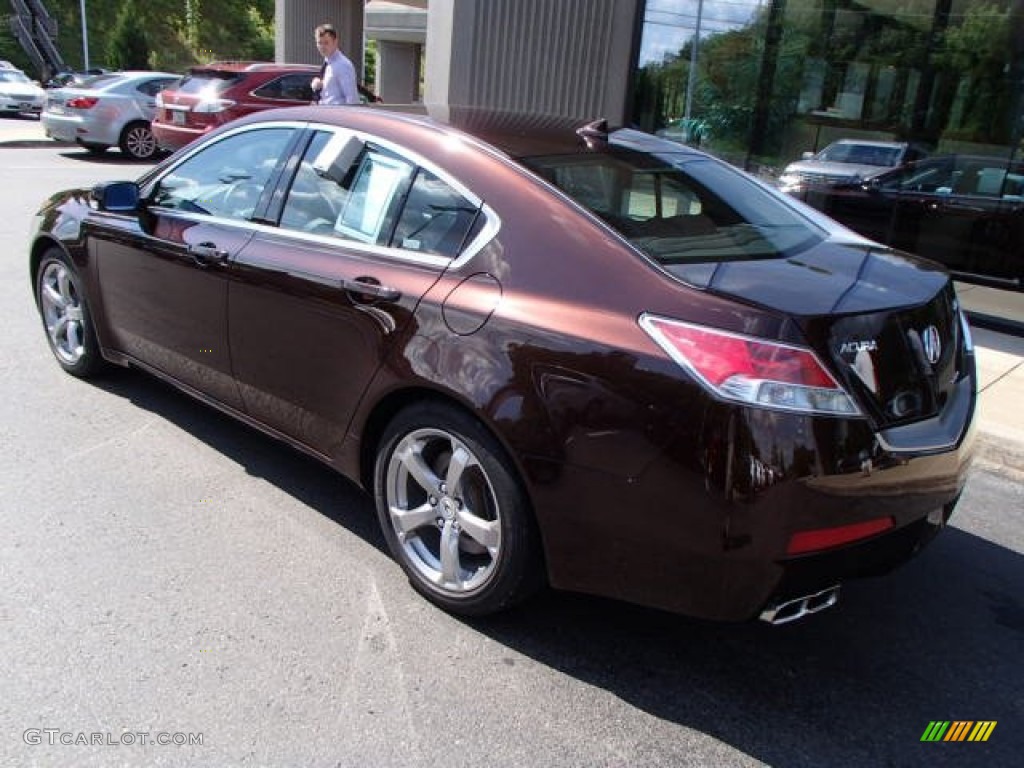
{"x": 751, "y": 370}
{"x": 211, "y": 106}
{"x": 82, "y": 102}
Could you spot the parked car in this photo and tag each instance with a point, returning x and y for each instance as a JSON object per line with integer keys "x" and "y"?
{"x": 214, "y": 94}
{"x": 111, "y": 110}
{"x": 18, "y": 94}
{"x": 589, "y": 356}
{"x": 965, "y": 212}
{"x": 847, "y": 160}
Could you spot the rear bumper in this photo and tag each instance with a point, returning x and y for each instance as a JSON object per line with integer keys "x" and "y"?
{"x": 707, "y": 532}
{"x": 74, "y": 128}
{"x": 15, "y": 106}
{"x": 172, "y": 137}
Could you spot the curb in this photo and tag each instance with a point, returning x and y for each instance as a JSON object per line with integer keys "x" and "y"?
{"x": 997, "y": 324}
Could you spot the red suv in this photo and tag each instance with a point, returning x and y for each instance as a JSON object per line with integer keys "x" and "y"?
{"x": 213, "y": 94}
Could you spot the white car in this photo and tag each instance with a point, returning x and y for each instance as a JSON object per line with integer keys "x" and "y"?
{"x": 111, "y": 110}
{"x": 19, "y": 94}
{"x": 846, "y": 160}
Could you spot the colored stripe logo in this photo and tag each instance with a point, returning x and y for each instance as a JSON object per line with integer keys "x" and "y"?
{"x": 959, "y": 730}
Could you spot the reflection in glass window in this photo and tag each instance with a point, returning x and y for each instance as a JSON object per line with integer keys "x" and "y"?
{"x": 227, "y": 178}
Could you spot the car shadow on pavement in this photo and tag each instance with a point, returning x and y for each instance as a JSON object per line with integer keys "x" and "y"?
{"x": 112, "y": 156}
{"x": 302, "y": 477}
{"x": 939, "y": 639}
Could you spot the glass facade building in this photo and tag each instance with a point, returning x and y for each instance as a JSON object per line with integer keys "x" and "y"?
{"x": 760, "y": 82}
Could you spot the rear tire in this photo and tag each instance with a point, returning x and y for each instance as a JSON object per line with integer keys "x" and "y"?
{"x": 138, "y": 142}
{"x": 453, "y": 514}
{"x": 66, "y": 317}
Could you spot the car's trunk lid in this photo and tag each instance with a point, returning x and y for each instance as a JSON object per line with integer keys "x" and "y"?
{"x": 886, "y": 324}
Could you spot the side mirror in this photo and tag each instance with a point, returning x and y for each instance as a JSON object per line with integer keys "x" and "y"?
{"x": 116, "y": 196}
{"x": 807, "y": 156}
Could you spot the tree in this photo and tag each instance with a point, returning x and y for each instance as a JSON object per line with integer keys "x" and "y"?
{"x": 128, "y": 47}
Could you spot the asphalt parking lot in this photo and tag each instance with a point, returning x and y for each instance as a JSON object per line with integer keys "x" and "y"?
{"x": 166, "y": 571}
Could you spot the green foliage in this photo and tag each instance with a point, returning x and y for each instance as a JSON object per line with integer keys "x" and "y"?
{"x": 128, "y": 45}
{"x": 222, "y": 29}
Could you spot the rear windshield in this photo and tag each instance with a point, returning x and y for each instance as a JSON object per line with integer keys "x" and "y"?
{"x": 207, "y": 82}
{"x": 861, "y": 154}
{"x": 678, "y": 209}
{"x": 13, "y": 76}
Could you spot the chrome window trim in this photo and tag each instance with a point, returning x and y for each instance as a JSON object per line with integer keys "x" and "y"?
{"x": 490, "y": 229}
{"x": 392, "y": 254}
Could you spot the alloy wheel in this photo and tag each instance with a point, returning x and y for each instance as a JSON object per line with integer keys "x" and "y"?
{"x": 139, "y": 142}
{"x": 443, "y": 509}
{"x": 62, "y": 312}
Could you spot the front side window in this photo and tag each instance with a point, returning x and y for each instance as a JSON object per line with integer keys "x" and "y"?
{"x": 227, "y": 178}
{"x": 680, "y": 211}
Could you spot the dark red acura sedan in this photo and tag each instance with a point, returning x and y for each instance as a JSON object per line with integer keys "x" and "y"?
{"x": 578, "y": 356}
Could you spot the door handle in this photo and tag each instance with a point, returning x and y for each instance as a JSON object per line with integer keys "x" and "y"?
{"x": 205, "y": 254}
{"x": 371, "y": 287}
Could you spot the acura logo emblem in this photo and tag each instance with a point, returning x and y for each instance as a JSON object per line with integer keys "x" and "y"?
{"x": 932, "y": 344}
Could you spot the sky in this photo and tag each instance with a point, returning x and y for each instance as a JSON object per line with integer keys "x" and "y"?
{"x": 670, "y": 24}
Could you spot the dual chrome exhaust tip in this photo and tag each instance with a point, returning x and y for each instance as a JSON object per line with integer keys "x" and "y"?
{"x": 797, "y": 608}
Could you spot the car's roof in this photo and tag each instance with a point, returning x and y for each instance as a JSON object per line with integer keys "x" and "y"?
{"x": 871, "y": 143}
{"x": 515, "y": 134}
{"x": 252, "y": 66}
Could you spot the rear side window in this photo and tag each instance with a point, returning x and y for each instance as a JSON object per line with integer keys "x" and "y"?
{"x": 436, "y": 219}
{"x": 153, "y": 87}
{"x": 293, "y": 87}
{"x": 372, "y": 195}
{"x": 357, "y": 199}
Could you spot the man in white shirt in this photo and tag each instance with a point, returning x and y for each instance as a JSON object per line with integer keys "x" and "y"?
{"x": 337, "y": 85}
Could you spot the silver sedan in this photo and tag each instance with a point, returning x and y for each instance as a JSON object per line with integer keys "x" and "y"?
{"x": 108, "y": 110}
{"x": 18, "y": 94}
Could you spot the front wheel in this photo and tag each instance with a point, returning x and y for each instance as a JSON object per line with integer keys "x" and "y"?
{"x": 66, "y": 316}
{"x": 452, "y": 512}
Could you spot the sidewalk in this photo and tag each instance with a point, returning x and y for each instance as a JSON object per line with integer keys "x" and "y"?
{"x": 997, "y": 320}
{"x": 1000, "y": 359}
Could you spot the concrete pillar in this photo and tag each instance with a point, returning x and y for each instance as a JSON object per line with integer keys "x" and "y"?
{"x": 570, "y": 58}
{"x": 295, "y": 21}
{"x": 398, "y": 72}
